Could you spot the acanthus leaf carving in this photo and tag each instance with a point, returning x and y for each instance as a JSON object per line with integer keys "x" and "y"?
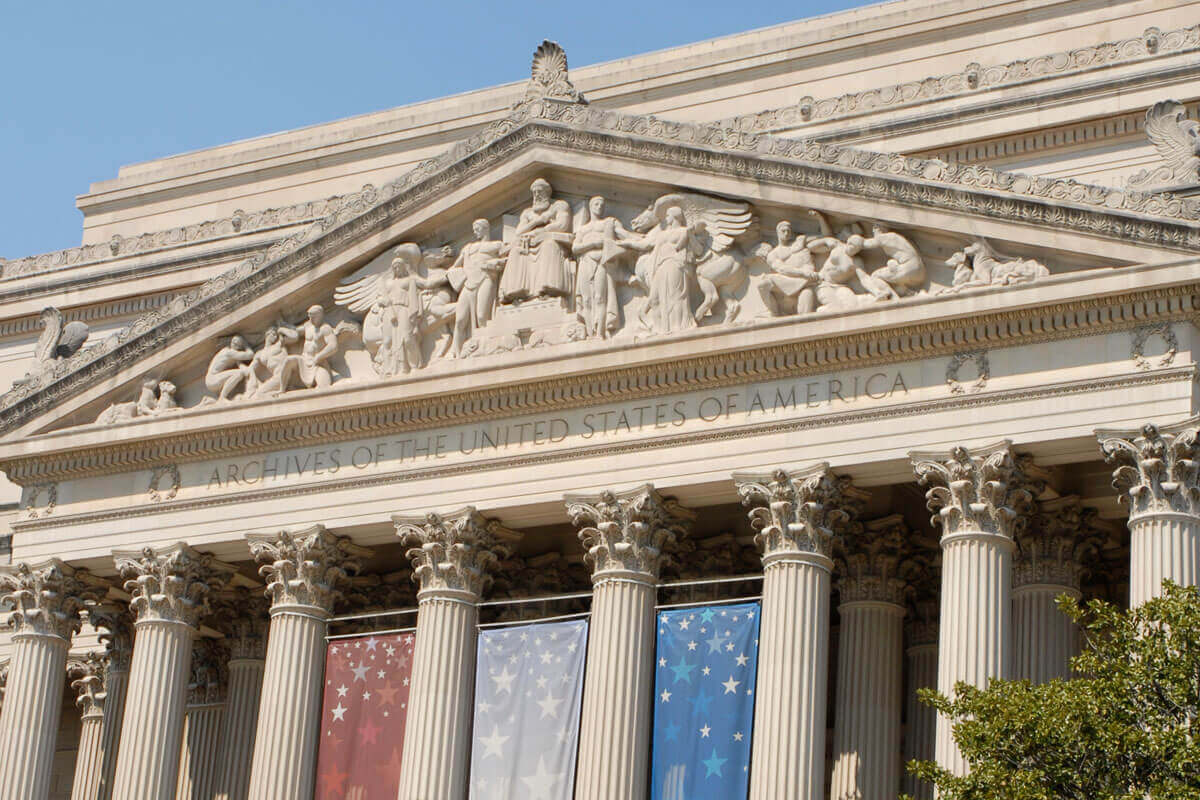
{"x": 171, "y": 584}
{"x": 48, "y": 598}
{"x": 988, "y": 490}
{"x": 114, "y": 625}
{"x": 873, "y": 561}
{"x": 1157, "y": 470}
{"x": 548, "y": 79}
{"x": 87, "y": 676}
{"x": 1060, "y": 545}
{"x": 309, "y": 567}
{"x": 243, "y": 617}
{"x": 454, "y": 554}
{"x": 629, "y": 532}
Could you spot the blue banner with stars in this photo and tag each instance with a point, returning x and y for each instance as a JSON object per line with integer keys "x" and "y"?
{"x": 704, "y": 702}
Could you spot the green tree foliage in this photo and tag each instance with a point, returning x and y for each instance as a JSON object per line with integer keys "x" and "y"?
{"x": 1126, "y": 728}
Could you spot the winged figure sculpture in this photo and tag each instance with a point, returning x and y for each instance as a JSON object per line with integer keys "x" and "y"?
{"x": 58, "y": 340}
{"x": 1177, "y": 140}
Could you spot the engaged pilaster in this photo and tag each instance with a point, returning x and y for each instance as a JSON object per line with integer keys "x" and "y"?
{"x": 305, "y": 572}
{"x": 797, "y": 515}
{"x": 170, "y": 590}
{"x": 1050, "y": 562}
{"x": 1158, "y": 475}
{"x": 453, "y": 557}
{"x": 87, "y": 679}
{"x": 47, "y": 600}
{"x": 866, "y": 730}
{"x": 246, "y": 636}
{"x": 200, "y": 757}
{"x": 981, "y": 499}
{"x": 625, "y": 536}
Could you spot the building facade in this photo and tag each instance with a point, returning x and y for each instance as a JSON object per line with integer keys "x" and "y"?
{"x": 889, "y": 315}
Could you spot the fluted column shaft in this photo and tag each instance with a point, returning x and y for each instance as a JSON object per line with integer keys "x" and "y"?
{"x": 289, "y": 715}
{"x": 614, "y": 743}
{"x": 152, "y": 728}
{"x": 200, "y": 759}
{"x": 239, "y": 727}
{"x": 866, "y": 733}
{"x": 29, "y": 719}
{"x": 89, "y": 759}
{"x": 788, "y": 753}
{"x": 1162, "y": 546}
{"x": 1044, "y": 638}
{"x": 975, "y": 644}
{"x": 437, "y": 745}
{"x": 116, "y": 686}
{"x": 922, "y": 720}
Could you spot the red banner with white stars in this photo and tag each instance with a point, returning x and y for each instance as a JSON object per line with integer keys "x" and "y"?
{"x": 362, "y": 719}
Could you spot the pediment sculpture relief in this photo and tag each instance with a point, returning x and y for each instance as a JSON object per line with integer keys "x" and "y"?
{"x": 58, "y": 340}
{"x": 562, "y": 275}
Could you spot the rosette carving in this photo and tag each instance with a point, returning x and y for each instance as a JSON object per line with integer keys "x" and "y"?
{"x": 171, "y": 584}
{"x": 1157, "y": 469}
{"x": 87, "y": 679}
{"x": 455, "y": 553}
{"x": 306, "y": 568}
{"x": 873, "y": 561}
{"x": 630, "y": 531}
{"x": 989, "y": 490}
{"x": 1058, "y": 547}
{"x": 800, "y": 513}
{"x": 115, "y": 627}
{"x": 48, "y": 598}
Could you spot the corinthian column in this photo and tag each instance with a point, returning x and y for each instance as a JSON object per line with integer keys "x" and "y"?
{"x": 797, "y": 516}
{"x": 200, "y": 758}
{"x": 866, "y": 721}
{"x": 452, "y": 557}
{"x": 116, "y": 631}
{"x": 922, "y": 674}
{"x": 1049, "y": 563}
{"x": 246, "y": 636}
{"x": 980, "y": 499}
{"x": 304, "y": 572}
{"x": 1158, "y": 475}
{"x": 88, "y": 684}
{"x": 170, "y": 588}
{"x": 46, "y": 600}
{"x": 624, "y": 535}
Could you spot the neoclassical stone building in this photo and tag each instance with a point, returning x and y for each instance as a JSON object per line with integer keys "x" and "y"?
{"x": 890, "y": 314}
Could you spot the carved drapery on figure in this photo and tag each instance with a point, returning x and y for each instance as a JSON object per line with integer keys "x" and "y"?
{"x": 172, "y": 584}
{"x": 627, "y": 532}
{"x": 800, "y": 512}
{"x": 48, "y": 599}
{"x": 990, "y": 489}
{"x": 1157, "y": 469}
{"x": 454, "y": 553}
{"x": 539, "y": 262}
{"x": 306, "y": 568}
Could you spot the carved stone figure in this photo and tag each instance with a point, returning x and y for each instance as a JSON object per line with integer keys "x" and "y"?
{"x": 1177, "y": 140}
{"x": 320, "y": 345}
{"x": 155, "y": 397}
{"x": 272, "y": 367}
{"x": 58, "y": 340}
{"x": 600, "y": 243}
{"x": 474, "y": 275}
{"x": 538, "y": 263}
{"x": 978, "y": 264}
{"x": 904, "y": 272}
{"x": 714, "y": 226}
{"x": 229, "y": 368}
{"x": 674, "y": 249}
{"x": 790, "y": 287}
{"x": 843, "y": 265}
{"x": 392, "y": 300}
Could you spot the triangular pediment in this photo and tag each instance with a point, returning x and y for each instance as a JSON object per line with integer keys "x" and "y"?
{"x": 975, "y": 231}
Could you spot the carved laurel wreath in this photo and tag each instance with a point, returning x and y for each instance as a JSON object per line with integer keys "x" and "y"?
{"x": 157, "y": 493}
{"x": 980, "y": 359}
{"x": 1141, "y": 335}
{"x": 35, "y": 494}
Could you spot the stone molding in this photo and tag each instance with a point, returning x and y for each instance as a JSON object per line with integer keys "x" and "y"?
{"x": 48, "y": 598}
{"x": 579, "y": 128}
{"x": 974, "y": 79}
{"x": 88, "y": 680}
{"x": 800, "y": 513}
{"x": 1157, "y": 468}
{"x": 872, "y": 562}
{"x": 1056, "y": 549}
{"x": 171, "y": 584}
{"x": 627, "y": 533}
{"x": 454, "y": 555}
{"x": 986, "y": 490}
{"x": 309, "y": 567}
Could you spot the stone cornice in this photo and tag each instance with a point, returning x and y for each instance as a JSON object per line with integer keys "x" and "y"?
{"x": 972, "y": 80}
{"x": 836, "y": 350}
{"x": 1061, "y": 205}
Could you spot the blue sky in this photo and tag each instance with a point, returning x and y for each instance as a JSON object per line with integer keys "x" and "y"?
{"x": 88, "y": 87}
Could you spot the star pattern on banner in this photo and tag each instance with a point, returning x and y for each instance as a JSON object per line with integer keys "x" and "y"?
{"x": 363, "y": 717}
{"x": 528, "y": 696}
{"x": 707, "y": 659}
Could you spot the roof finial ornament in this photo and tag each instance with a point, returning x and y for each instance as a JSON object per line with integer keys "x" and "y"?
{"x": 549, "y": 80}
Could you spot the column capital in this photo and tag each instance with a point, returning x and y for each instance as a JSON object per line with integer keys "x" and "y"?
{"x": 87, "y": 679}
{"x": 800, "y": 514}
{"x": 986, "y": 490}
{"x": 115, "y": 628}
{"x": 307, "y": 567}
{"x": 628, "y": 532}
{"x": 243, "y": 616}
{"x": 47, "y": 598}
{"x": 206, "y": 683}
{"x": 873, "y": 560}
{"x": 454, "y": 555}
{"x": 923, "y": 622}
{"x": 171, "y": 584}
{"x": 1055, "y": 549}
{"x": 1157, "y": 468}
